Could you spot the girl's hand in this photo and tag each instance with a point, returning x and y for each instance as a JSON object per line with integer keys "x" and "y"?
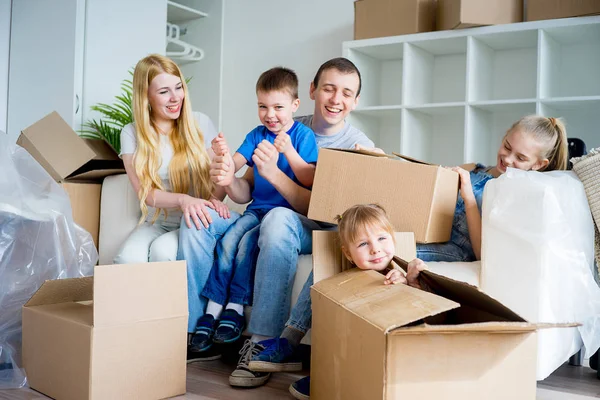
{"x": 221, "y": 208}
{"x": 413, "y": 270}
{"x": 196, "y": 210}
{"x": 466, "y": 189}
{"x": 393, "y": 277}
{"x": 219, "y": 145}
{"x": 282, "y": 142}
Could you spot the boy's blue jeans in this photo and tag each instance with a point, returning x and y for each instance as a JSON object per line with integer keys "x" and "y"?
{"x": 197, "y": 247}
{"x": 231, "y": 278}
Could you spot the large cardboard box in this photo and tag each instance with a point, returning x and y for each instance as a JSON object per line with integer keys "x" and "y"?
{"x": 549, "y": 9}
{"x": 121, "y": 334}
{"x": 376, "y": 341}
{"x": 79, "y": 164}
{"x": 455, "y": 14}
{"x": 379, "y": 18}
{"x": 418, "y": 197}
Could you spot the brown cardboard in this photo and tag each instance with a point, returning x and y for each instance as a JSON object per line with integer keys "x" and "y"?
{"x": 120, "y": 334}
{"x": 376, "y": 341}
{"x": 457, "y": 14}
{"x": 549, "y": 9}
{"x": 417, "y": 197}
{"x": 65, "y": 155}
{"x": 85, "y": 203}
{"x": 379, "y": 18}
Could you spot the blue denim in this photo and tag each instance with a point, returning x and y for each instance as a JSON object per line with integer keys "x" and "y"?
{"x": 228, "y": 281}
{"x": 301, "y": 315}
{"x": 197, "y": 247}
{"x": 459, "y": 247}
{"x": 284, "y": 235}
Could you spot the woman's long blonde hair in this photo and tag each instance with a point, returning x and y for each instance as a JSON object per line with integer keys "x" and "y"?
{"x": 190, "y": 164}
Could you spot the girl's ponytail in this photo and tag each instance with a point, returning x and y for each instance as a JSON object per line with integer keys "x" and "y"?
{"x": 558, "y": 157}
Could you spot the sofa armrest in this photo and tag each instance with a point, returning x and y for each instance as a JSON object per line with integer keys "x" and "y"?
{"x": 119, "y": 215}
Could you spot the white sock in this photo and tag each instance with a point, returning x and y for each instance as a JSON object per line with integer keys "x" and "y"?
{"x": 259, "y": 338}
{"x": 239, "y": 308}
{"x": 214, "y": 309}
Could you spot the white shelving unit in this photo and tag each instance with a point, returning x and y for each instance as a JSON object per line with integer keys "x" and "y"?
{"x": 178, "y": 16}
{"x": 449, "y": 97}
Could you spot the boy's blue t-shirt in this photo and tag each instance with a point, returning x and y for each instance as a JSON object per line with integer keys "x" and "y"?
{"x": 264, "y": 195}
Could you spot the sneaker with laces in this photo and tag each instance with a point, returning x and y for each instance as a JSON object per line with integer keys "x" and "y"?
{"x": 213, "y": 353}
{"x": 230, "y": 327}
{"x": 205, "y": 330}
{"x": 243, "y": 376}
{"x": 301, "y": 388}
{"x": 278, "y": 356}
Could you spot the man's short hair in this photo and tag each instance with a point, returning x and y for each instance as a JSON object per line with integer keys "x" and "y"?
{"x": 342, "y": 65}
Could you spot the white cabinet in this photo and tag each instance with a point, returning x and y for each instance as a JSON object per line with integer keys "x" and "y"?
{"x": 67, "y": 55}
{"x": 449, "y": 97}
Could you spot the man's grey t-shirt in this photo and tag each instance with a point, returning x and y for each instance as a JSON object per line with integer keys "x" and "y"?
{"x": 344, "y": 139}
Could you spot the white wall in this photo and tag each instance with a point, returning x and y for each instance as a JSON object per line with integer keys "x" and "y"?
{"x": 4, "y": 55}
{"x": 259, "y": 35}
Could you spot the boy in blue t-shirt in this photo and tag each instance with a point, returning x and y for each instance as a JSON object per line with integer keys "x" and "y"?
{"x": 231, "y": 282}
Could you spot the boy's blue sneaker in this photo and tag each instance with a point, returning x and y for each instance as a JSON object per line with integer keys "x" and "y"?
{"x": 301, "y": 388}
{"x": 278, "y": 356}
{"x": 230, "y": 328}
{"x": 203, "y": 338}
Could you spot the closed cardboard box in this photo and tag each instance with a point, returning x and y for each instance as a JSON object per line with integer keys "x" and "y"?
{"x": 550, "y": 9}
{"x": 379, "y": 18}
{"x": 121, "y": 334}
{"x": 79, "y": 164}
{"x": 418, "y": 197}
{"x": 456, "y": 14}
{"x": 376, "y": 341}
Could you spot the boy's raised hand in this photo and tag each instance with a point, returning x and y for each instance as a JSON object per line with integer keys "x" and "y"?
{"x": 282, "y": 142}
{"x": 265, "y": 158}
{"x": 222, "y": 170}
{"x": 219, "y": 145}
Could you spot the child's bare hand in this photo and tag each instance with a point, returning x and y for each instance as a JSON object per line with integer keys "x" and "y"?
{"x": 393, "y": 277}
{"x": 219, "y": 145}
{"x": 413, "y": 270}
{"x": 466, "y": 189}
{"x": 282, "y": 142}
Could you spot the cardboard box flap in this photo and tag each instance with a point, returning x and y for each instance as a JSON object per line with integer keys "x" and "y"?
{"x": 63, "y": 291}
{"x": 407, "y": 158}
{"x": 384, "y": 306}
{"x": 469, "y": 296}
{"x": 363, "y": 152}
{"x": 130, "y": 293}
{"x": 482, "y": 327}
{"x": 49, "y": 139}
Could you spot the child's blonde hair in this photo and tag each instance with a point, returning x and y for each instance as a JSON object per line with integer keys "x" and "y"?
{"x": 356, "y": 219}
{"x": 552, "y": 133}
{"x": 190, "y": 164}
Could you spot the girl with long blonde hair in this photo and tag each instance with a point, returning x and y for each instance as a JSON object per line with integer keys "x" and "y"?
{"x": 167, "y": 156}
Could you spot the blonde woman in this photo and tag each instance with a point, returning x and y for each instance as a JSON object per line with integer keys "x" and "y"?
{"x": 167, "y": 156}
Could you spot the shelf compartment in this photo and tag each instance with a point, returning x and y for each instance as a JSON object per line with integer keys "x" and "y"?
{"x": 503, "y": 66}
{"x": 579, "y": 116}
{"x": 179, "y": 13}
{"x": 570, "y": 61}
{"x": 382, "y": 126}
{"x": 434, "y": 134}
{"x": 486, "y": 126}
{"x": 435, "y": 71}
{"x": 381, "y": 70}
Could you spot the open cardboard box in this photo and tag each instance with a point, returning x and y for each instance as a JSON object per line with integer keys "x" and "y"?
{"x": 458, "y": 14}
{"x": 121, "y": 334}
{"x": 78, "y": 164}
{"x": 418, "y": 197}
{"x": 376, "y": 341}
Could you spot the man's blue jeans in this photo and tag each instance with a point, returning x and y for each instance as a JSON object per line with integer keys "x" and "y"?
{"x": 284, "y": 234}
{"x": 197, "y": 247}
{"x": 231, "y": 278}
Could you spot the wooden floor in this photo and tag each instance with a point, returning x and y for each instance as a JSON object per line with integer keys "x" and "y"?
{"x": 209, "y": 380}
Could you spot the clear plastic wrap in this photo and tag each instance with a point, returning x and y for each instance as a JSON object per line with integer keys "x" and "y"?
{"x": 538, "y": 257}
{"x": 38, "y": 241}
